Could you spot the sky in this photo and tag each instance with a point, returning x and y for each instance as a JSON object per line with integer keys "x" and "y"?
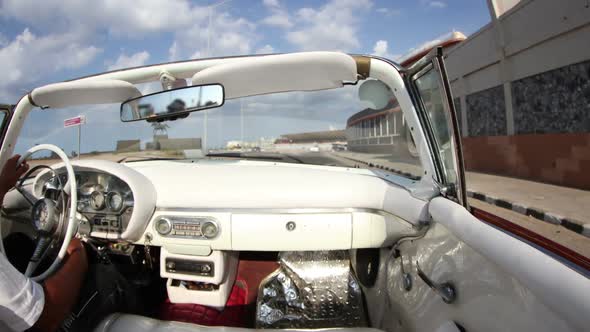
{"x": 54, "y": 40}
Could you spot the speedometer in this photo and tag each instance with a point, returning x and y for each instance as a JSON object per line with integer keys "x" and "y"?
{"x": 114, "y": 201}
{"x": 97, "y": 200}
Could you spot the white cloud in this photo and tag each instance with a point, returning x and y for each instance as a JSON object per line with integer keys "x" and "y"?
{"x": 280, "y": 19}
{"x": 381, "y": 49}
{"x": 21, "y": 64}
{"x": 173, "y": 52}
{"x": 229, "y": 36}
{"x": 278, "y": 15}
{"x": 388, "y": 11}
{"x": 271, "y": 3}
{"x": 437, "y": 4}
{"x": 122, "y": 18}
{"x": 266, "y": 49}
{"x": 334, "y": 26}
{"x": 187, "y": 22}
{"x": 128, "y": 61}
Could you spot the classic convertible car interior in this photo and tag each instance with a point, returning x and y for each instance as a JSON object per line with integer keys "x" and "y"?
{"x": 275, "y": 236}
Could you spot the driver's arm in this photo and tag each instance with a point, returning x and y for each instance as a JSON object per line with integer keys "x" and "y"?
{"x": 59, "y": 292}
{"x": 63, "y": 287}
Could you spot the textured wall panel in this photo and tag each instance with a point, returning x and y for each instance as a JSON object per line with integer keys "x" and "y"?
{"x": 557, "y": 101}
{"x": 486, "y": 112}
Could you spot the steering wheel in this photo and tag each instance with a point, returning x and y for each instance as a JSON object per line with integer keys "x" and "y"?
{"x": 47, "y": 217}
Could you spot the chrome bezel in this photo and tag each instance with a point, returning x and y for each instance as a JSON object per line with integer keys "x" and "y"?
{"x": 190, "y": 221}
{"x": 168, "y": 223}
{"x": 108, "y": 201}
{"x": 214, "y": 225}
{"x": 91, "y": 199}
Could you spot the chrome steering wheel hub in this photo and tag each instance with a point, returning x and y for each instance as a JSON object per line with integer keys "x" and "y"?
{"x": 45, "y": 216}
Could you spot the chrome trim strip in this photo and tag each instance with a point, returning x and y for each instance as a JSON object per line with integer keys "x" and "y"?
{"x": 273, "y": 210}
{"x": 283, "y": 211}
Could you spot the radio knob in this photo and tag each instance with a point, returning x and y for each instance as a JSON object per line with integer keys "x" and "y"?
{"x": 209, "y": 230}
{"x": 170, "y": 265}
{"x": 163, "y": 226}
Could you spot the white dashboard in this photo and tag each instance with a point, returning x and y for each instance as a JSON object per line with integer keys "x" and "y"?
{"x": 249, "y": 205}
{"x": 202, "y": 213}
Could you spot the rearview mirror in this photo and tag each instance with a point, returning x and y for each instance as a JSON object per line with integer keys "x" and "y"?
{"x": 173, "y": 104}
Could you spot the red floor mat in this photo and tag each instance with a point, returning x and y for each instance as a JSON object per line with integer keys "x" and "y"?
{"x": 236, "y": 312}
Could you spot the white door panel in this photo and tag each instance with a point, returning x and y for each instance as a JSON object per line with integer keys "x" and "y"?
{"x": 501, "y": 282}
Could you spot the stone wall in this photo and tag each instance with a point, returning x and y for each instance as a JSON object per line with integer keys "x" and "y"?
{"x": 551, "y": 113}
{"x": 556, "y": 101}
{"x": 486, "y": 112}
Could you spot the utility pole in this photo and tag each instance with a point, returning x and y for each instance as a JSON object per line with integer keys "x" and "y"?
{"x": 242, "y": 121}
{"x": 79, "y": 138}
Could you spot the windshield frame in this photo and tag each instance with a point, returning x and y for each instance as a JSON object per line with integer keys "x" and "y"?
{"x": 423, "y": 189}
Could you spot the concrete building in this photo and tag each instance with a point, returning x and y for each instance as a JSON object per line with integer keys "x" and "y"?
{"x": 378, "y": 131}
{"x": 162, "y": 142}
{"x": 522, "y": 88}
{"x": 132, "y": 145}
{"x": 328, "y": 136}
{"x": 172, "y": 144}
{"x": 384, "y": 131}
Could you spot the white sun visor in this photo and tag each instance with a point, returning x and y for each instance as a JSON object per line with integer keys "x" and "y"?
{"x": 281, "y": 73}
{"x": 83, "y": 92}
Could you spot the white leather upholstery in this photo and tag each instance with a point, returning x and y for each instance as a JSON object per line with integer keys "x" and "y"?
{"x": 306, "y": 71}
{"x": 82, "y": 93}
{"x": 132, "y": 323}
{"x": 556, "y": 285}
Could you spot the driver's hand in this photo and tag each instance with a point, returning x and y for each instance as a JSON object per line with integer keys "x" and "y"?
{"x": 11, "y": 173}
{"x": 63, "y": 287}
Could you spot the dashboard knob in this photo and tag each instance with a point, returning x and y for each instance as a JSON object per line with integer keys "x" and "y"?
{"x": 163, "y": 226}
{"x": 170, "y": 265}
{"x": 209, "y": 230}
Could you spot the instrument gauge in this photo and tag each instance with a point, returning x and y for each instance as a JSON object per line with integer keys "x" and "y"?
{"x": 86, "y": 189}
{"x": 97, "y": 200}
{"x": 89, "y": 188}
{"x": 114, "y": 201}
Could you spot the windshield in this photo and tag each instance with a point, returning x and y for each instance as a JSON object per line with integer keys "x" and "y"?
{"x": 330, "y": 127}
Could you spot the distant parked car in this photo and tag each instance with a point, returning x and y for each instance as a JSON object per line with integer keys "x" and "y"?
{"x": 339, "y": 147}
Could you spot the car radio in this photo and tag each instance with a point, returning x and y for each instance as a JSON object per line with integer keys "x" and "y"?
{"x": 191, "y": 227}
{"x": 191, "y": 267}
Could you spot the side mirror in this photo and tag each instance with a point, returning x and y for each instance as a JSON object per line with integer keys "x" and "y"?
{"x": 173, "y": 104}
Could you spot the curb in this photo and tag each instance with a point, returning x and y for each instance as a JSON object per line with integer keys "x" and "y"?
{"x": 389, "y": 169}
{"x": 573, "y": 225}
